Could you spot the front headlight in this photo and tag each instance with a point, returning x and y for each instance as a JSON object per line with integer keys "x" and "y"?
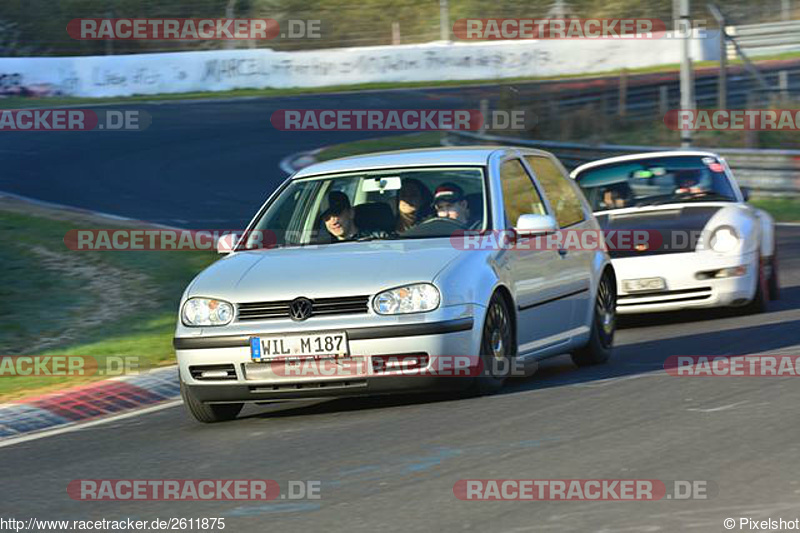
{"x": 724, "y": 240}
{"x": 206, "y": 312}
{"x": 417, "y": 298}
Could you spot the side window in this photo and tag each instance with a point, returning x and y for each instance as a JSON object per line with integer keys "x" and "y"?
{"x": 562, "y": 195}
{"x": 520, "y": 197}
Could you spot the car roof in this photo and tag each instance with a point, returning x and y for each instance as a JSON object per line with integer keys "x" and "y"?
{"x": 469, "y": 156}
{"x": 643, "y": 155}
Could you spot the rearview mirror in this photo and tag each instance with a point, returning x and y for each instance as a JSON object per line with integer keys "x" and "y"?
{"x": 388, "y": 183}
{"x": 529, "y": 225}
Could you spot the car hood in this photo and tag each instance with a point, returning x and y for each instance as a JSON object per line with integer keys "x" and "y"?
{"x": 346, "y": 269}
{"x": 667, "y": 220}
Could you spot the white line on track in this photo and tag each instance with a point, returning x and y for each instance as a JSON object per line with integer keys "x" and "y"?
{"x": 77, "y": 426}
{"x": 716, "y": 409}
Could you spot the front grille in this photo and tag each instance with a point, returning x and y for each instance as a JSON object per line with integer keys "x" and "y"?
{"x": 662, "y": 297}
{"x": 405, "y": 362}
{"x": 345, "y": 305}
{"x": 308, "y": 386}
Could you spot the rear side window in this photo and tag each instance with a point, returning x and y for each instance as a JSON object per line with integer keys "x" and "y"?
{"x": 520, "y": 197}
{"x": 563, "y": 197}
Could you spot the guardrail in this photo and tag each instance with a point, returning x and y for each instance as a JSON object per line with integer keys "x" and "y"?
{"x": 765, "y": 172}
{"x": 651, "y": 95}
{"x": 765, "y": 39}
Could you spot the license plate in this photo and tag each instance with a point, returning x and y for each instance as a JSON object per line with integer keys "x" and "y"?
{"x": 644, "y": 285}
{"x": 298, "y": 346}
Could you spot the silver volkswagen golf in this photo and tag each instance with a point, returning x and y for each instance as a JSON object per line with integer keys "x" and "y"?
{"x": 396, "y": 272}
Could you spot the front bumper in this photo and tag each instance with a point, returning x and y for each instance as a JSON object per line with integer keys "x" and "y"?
{"x": 448, "y": 332}
{"x": 683, "y": 289}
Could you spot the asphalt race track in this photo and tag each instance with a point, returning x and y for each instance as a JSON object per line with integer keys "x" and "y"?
{"x": 200, "y": 165}
{"x": 391, "y": 463}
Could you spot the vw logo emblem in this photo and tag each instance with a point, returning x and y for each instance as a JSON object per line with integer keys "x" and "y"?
{"x": 300, "y": 309}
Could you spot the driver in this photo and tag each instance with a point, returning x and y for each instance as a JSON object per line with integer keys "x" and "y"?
{"x": 688, "y": 183}
{"x": 449, "y": 202}
{"x": 617, "y": 196}
{"x": 339, "y": 219}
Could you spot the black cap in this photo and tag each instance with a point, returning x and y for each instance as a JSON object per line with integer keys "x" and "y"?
{"x": 337, "y": 203}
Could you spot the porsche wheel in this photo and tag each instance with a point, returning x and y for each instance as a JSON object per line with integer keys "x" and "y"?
{"x": 774, "y": 281}
{"x": 761, "y": 297}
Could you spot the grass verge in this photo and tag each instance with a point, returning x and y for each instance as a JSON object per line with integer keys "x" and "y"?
{"x": 99, "y": 304}
{"x": 783, "y": 209}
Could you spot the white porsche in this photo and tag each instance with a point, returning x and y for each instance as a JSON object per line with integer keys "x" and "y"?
{"x": 706, "y": 246}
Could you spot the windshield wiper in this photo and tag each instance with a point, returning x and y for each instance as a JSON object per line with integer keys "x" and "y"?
{"x": 691, "y": 197}
{"x": 368, "y": 238}
{"x": 270, "y": 247}
{"x": 708, "y": 195}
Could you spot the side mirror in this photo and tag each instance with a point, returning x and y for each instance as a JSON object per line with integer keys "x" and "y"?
{"x": 745, "y": 193}
{"x": 226, "y": 243}
{"x": 531, "y": 225}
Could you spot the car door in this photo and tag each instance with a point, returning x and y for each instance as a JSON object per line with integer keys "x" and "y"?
{"x": 576, "y": 265}
{"x": 533, "y": 271}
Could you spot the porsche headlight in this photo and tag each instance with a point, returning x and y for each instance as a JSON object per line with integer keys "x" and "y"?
{"x": 416, "y": 298}
{"x": 206, "y": 312}
{"x": 724, "y": 240}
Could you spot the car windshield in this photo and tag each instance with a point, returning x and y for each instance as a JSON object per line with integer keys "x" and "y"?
{"x": 655, "y": 181}
{"x": 373, "y": 205}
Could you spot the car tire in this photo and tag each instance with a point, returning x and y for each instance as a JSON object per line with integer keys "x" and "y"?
{"x": 759, "y": 302}
{"x": 208, "y": 413}
{"x": 774, "y": 279}
{"x": 604, "y": 318}
{"x": 498, "y": 348}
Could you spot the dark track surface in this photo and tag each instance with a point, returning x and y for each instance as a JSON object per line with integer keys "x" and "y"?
{"x": 391, "y": 464}
{"x": 210, "y": 164}
{"x": 199, "y": 165}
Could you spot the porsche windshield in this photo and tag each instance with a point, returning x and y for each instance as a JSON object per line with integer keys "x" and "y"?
{"x": 373, "y": 205}
{"x": 655, "y": 181}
